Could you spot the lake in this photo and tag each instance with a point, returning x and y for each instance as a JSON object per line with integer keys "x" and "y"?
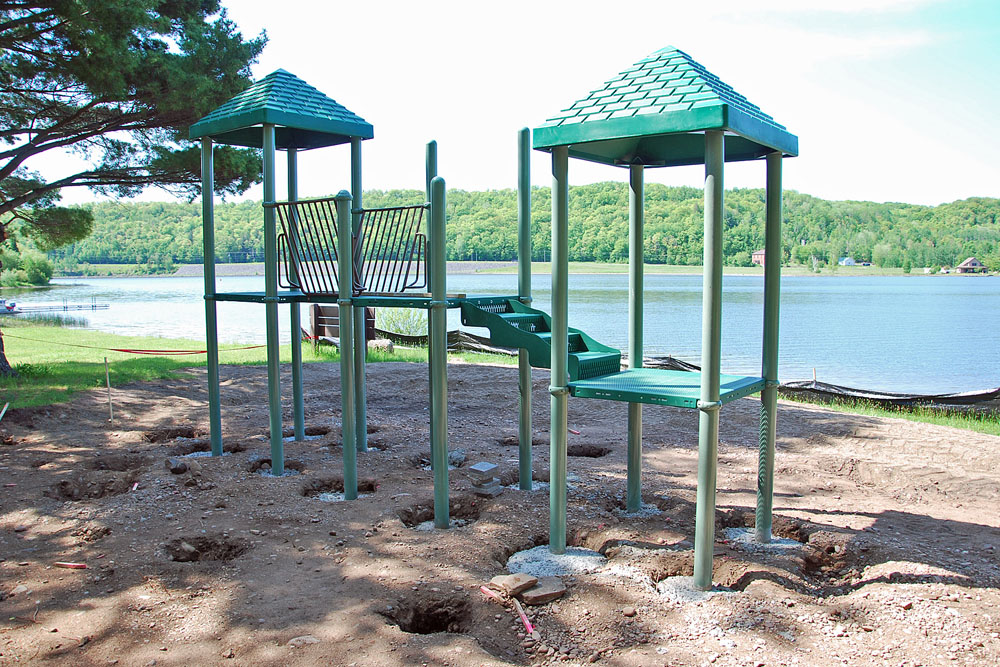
{"x": 923, "y": 334}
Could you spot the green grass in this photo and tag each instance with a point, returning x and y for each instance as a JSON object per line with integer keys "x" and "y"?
{"x": 50, "y": 371}
{"x": 988, "y": 423}
{"x": 54, "y": 363}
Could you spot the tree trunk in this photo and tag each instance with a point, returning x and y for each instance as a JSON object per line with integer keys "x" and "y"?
{"x": 5, "y": 368}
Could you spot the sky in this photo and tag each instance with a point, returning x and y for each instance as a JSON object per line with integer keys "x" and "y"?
{"x": 892, "y": 100}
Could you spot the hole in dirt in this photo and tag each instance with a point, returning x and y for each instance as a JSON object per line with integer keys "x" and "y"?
{"x": 515, "y": 440}
{"x": 617, "y": 503}
{"x": 670, "y": 564}
{"x": 315, "y": 487}
{"x": 93, "y": 485}
{"x": 288, "y": 432}
{"x": 428, "y": 612}
{"x": 205, "y": 547}
{"x": 465, "y": 507}
{"x": 511, "y": 477}
{"x": 380, "y": 444}
{"x": 503, "y": 554}
{"x": 169, "y": 433}
{"x": 264, "y": 465}
{"x": 790, "y": 529}
{"x": 188, "y": 446}
{"x": 588, "y": 451}
{"x": 117, "y": 462}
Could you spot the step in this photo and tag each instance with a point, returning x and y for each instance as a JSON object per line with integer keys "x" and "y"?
{"x": 528, "y": 322}
{"x": 575, "y": 341}
{"x": 594, "y": 364}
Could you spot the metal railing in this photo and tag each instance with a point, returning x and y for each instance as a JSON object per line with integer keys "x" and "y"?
{"x": 389, "y": 248}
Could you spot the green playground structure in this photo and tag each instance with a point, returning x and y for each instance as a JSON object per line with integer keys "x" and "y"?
{"x": 665, "y": 110}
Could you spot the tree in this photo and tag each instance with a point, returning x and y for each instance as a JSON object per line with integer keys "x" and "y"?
{"x": 117, "y": 82}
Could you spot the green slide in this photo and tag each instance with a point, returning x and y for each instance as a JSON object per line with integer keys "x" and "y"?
{"x": 513, "y": 324}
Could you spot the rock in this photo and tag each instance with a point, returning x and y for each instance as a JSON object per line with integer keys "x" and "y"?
{"x": 302, "y": 640}
{"x": 184, "y": 553}
{"x": 229, "y": 653}
{"x": 907, "y": 605}
{"x": 628, "y": 611}
{"x": 194, "y": 468}
{"x": 547, "y": 589}
{"x": 513, "y": 584}
{"x": 20, "y": 529}
{"x": 381, "y": 344}
{"x": 175, "y": 465}
{"x": 456, "y": 457}
{"x": 20, "y": 590}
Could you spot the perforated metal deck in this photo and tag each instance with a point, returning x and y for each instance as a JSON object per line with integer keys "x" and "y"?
{"x": 662, "y": 387}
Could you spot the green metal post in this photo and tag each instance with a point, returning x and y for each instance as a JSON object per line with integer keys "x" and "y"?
{"x": 711, "y": 351}
{"x": 437, "y": 343}
{"x": 298, "y": 405}
{"x": 769, "y": 396}
{"x": 430, "y": 172}
{"x": 430, "y": 167}
{"x": 360, "y": 343}
{"x": 558, "y": 420}
{"x": 635, "y": 288}
{"x": 211, "y": 319}
{"x": 524, "y": 295}
{"x": 271, "y": 307}
{"x": 345, "y": 261}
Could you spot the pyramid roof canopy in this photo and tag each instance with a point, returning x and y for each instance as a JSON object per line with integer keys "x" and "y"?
{"x": 654, "y": 113}
{"x": 304, "y": 117}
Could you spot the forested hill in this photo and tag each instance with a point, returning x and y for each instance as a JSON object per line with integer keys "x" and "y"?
{"x": 483, "y": 226}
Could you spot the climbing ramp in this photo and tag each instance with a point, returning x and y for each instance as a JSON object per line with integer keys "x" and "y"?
{"x": 513, "y": 324}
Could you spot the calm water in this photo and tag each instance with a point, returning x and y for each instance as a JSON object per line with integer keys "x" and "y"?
{"x": 919, "y": 333}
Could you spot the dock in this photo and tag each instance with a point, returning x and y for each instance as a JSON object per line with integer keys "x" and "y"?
{"x": 12, "y": 309}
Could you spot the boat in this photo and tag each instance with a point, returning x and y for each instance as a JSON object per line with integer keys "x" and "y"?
{"x": 9, "y": 308}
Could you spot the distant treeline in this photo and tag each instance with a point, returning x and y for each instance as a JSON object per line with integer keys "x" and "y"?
{"x": 482, "y": 225}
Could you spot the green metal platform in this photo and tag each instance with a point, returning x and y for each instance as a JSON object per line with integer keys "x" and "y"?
{"x": 662, "y": 387}
{"x": 294, "y": 296}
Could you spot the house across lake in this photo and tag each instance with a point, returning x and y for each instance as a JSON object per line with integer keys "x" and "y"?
{"x": 971, "y": 265}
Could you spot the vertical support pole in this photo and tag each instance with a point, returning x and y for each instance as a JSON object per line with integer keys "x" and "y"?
{"x": 437, "y": 342}
{"x": 769, "y": 371}
{"x": 711, "y": 352}
{"x": 430, "y": 172}
{"x": 211, "y": 318}
{"x": 271, "y": 306}
{"x": 636, "y": 198}
{"x": 524, "y": 296}
{"x": 360, "y": 343}
{"x": 558, "y": 420}
{"x": 298, "y": 404}
{"x": 345, "y": 268}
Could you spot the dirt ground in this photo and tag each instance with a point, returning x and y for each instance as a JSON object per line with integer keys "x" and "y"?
{"x": 889, "y": 554}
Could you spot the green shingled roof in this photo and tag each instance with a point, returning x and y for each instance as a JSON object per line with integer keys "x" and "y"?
{"x": 303, "y": 116}
{"x": 653, "y": 113}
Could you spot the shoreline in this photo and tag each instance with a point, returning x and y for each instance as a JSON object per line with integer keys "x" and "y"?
{"x": 254, "y": 269}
